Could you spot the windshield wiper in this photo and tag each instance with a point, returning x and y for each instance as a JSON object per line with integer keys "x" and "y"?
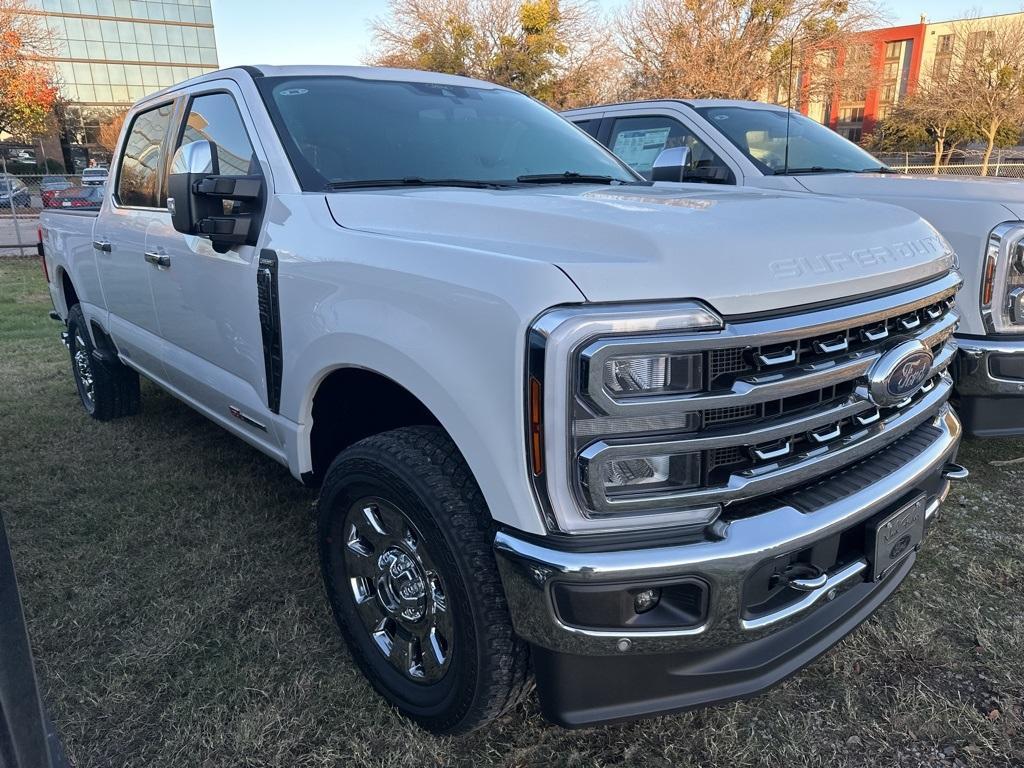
{"x": 878, "y": 169}
{"x": 412, "y": 181}
{"x": 814, "y": 169}
{"x": 568, "y": 177}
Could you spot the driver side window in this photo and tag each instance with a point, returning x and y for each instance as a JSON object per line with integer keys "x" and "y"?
{"x": 639, "y": 140}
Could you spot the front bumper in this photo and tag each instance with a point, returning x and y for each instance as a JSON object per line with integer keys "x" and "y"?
{"x": 990, "y": 386}
{"x": 729, "y": 654}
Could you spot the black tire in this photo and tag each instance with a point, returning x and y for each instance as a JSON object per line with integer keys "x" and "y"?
{"x": 418, "y": 472}
{"x": 114, "y": 390}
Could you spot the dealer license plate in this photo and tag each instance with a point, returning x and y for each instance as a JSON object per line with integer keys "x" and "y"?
{"x": 895, "y": 536}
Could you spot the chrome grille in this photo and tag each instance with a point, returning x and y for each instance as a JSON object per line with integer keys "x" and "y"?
{"x": 786, "y": 399}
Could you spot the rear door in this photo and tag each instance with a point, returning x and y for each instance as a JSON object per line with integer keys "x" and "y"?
{"x": 137, "y": 202}
{"x": 206, "y": 301}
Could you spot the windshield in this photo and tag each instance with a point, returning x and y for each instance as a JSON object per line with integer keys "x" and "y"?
{"x": 761, "y": 135}
{"x": 344, "y": 130}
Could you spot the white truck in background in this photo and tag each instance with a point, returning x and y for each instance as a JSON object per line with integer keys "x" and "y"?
{"x": 561, "y": 419}
{"x": 760, "y": 146}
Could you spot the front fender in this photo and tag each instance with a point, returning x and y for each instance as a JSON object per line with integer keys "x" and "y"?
{"x": 448, "y": 327}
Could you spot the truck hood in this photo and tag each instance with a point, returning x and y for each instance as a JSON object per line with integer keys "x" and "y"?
{"x": 741, "y": 251}
{"x": 894, "y": 188}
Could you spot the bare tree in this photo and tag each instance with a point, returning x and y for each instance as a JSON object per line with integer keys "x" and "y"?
{"x": 986, "y": 79}
{"x": 732, "y": 48}
{"x": 555, "y": 50}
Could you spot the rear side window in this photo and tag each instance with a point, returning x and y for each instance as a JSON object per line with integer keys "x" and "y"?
{"x": 215, "y": 117}
{"x": 590, "y": 126}
{"x": 138, "y": 182}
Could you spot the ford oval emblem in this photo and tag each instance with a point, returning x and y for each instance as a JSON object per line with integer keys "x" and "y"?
{"x": 899, "y": 373}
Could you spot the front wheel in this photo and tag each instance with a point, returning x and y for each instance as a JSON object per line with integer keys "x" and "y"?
{"x": 405, "y": 549}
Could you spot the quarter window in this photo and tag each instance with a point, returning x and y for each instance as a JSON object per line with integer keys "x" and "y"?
{"x": 138, "y": 182}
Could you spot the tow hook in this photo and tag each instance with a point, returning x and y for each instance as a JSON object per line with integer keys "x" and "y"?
{"x": 955, "y": 472}
{"x": 64, "y": 339}
{"x": 803, "y": 577}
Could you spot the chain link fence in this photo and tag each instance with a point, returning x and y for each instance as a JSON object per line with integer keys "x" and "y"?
{"x": 23, "y": 197}
{"x": 995, "y": 169}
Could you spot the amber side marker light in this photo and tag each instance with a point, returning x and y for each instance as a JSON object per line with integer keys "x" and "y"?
{"x": 536, "y": 449}
{"x": 988, "y": 281}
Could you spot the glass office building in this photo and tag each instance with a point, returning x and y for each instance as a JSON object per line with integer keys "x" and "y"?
{"x": 109, "y": 53}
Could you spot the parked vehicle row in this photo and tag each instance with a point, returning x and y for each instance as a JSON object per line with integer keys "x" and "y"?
{"x": 659, "y": 446}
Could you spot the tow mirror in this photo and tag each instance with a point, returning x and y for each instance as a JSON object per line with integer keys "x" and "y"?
{"x": 672, "y": 164}
{"x": 225, "y": 209}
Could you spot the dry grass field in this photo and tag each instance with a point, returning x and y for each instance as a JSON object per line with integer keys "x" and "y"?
{"x": 170, "y": 583}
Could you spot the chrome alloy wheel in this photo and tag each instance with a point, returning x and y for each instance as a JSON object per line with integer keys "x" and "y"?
{"x": 398, "y": 592}
{"x": 83, "y": 367}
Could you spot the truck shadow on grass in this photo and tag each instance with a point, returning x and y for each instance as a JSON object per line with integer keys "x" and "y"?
{"x": 171, "y": 584}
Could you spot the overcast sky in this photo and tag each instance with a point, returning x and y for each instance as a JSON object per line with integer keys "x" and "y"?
{"x": 337, "y": 31}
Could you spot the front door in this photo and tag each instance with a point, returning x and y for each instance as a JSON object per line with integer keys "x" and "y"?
{"x": 206, "y": 301}
{"x": 119, "y": 240}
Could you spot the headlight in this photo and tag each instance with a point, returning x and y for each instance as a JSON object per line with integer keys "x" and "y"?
{"x": 598, "y": 374}
{"x": 1002, "y": 283}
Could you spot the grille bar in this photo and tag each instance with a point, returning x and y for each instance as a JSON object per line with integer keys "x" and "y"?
{"x": 773, "y": 384}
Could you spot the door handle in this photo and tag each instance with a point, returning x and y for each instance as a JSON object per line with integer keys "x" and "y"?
{"x": 102, "y": 245}
{"x": 158, "y": 259}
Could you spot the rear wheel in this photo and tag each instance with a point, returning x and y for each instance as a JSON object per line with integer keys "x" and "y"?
{"x": 107, "y": 387}
{"x": 405, "y": 547}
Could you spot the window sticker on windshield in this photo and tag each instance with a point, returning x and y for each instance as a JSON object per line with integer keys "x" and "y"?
{"x": 639, "y": 149}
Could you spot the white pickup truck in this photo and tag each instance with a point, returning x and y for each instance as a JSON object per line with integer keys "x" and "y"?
{"x": 560, "y": 418}
{"x": 755, "y": 145}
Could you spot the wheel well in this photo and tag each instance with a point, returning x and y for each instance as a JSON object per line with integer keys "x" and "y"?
{"x": 352, "y": 403}
{"x": 68, "y": 288}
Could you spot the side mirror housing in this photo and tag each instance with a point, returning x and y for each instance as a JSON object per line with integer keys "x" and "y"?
{"x": 226, "y": 209}
{"x": 671, "y": 165}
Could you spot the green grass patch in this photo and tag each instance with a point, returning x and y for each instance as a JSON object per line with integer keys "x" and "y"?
{"x": 170, "y": 583}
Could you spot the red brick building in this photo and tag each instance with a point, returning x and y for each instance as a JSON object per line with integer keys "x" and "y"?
{"x": 887, "y": 65}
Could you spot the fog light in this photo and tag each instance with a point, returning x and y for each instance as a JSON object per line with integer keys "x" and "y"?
{"x": 654, "y": 374}
{"x": 651, "y": 473}
{"x": 631, "y": 472}
{"x": 646, "y": 600}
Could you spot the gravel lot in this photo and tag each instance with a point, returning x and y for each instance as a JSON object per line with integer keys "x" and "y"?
{"x": 170, "y": 583}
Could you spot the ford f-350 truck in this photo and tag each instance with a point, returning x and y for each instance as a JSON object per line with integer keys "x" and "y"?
{"x": 566, "y": 425}
{"x": 763, "y": 146}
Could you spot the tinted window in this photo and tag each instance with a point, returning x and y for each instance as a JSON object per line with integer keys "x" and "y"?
{"x": 590, "y": 126}
{"x": 215, "y": 117}
{"x": 639, "y": 141}
{"x": 139, "y": 178}
{"x": 351, "y": 129}
{"x": 763, "y": 136}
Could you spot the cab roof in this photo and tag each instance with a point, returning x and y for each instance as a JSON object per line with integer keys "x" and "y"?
{"x": 695, "y": 103}
{"x": 312, "y": 70}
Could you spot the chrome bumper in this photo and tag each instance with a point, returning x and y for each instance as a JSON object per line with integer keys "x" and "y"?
{"x": 529, "y": 569}
{"x": 975, "y": 376}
